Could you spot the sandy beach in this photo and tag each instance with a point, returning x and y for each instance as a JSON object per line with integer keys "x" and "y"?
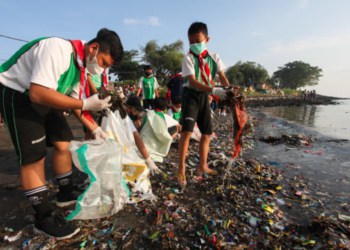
{"x": 314, "y": 180}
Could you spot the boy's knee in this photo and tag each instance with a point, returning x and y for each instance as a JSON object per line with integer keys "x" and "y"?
{"x": 61, "y": 147}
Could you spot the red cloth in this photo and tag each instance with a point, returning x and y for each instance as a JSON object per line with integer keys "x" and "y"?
{"x": 204, "y": 68}
{"x": 168, "y": 95}
{"x": 216, "y": 98}
{"x": 84, "y": 86}
{"x": 104, "y": 79}
{"x": 242, "y": 118}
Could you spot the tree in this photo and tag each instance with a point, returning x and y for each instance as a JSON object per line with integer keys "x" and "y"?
{"x": 129, "y": 69}
{"x": 165, "y": 60}
{"x": 297, "y": 74}
{"x": 246, "y": 72}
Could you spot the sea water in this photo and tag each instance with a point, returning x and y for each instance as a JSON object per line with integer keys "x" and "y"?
{"x": 331, "y": 120}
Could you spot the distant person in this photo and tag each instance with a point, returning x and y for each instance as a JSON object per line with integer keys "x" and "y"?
{"x": 148, "y": 85}
{"x": 175, "y": 109}
{"x": 160, "y": 106}
{"x": 214, "y": 102}
{"x": 175, "y": 86}
{"x": 34, "y": 87}
{"x": 313, "y": 96}
{"x": 199, "y": 68}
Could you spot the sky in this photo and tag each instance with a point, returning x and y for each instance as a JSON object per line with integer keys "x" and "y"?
{"x": 269, "y": 32}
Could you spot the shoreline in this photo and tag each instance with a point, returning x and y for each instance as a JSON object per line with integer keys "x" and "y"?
{"x": 309, "y": 189}
{"x": 273, "y": 101}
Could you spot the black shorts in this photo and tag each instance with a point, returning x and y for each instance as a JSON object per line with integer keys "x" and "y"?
{"x": 31, "y": 126}
{"x": 196, "y": 108}
{"x": 148, "y": 103}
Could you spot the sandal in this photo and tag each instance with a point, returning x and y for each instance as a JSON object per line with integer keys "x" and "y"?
{"x": 210, "y": 172}
{"x": 181, "y": 179}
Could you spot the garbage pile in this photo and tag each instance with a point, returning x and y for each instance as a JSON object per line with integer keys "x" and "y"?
{"x": 245, "y": 207}
{"x": 116, "y": 100}
{"x": 293, "y": 140}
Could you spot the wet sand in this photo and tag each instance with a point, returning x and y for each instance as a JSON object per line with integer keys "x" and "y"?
{"x": 322, "y": 168}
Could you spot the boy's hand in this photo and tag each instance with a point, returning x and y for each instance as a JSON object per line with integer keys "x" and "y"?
{"x": 98, "y": 133}
{"x": 152, "y": 166}
{"x": 95, "y": 104}
{"x": 219, "y": 92}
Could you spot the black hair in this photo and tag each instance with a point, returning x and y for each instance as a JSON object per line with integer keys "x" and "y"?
{"x": 147, "y": 67}
{"x": 177, "y": 100}
{"x": 109, "y": 42}
{"x": 197, "y": 27}
{"x": 160, "y": 103}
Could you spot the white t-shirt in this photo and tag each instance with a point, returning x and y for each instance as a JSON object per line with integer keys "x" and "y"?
{"x": 188, "y": 65}
{"x": 132, "y": 126}
{"x": 152, "y": 88}
{"x": 43, "y": 64}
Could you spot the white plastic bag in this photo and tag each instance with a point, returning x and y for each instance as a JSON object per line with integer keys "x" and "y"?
{"x": 135, "y": 171}
{"x": 155, "y": 136}
{"x": 107, "y": 192}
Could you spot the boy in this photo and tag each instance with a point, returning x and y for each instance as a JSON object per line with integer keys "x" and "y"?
{"x": 175, "y": 86}
{"x": 134, "y": 108}
{"x": 34, "y": 87}
{"x": 160, "y": 105}
{"x": 149, "y": 87}
{"x": 199, "y": 67}
{"x": 175, "y": 109}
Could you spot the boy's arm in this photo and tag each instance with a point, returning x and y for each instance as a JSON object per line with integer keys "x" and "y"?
{"x": 143, "y": 150}
{"x": 140, "y": 145}
{"x": 138, "y": 92}
{"x": 223, "y": 79}
{"x": 95, "y": 130}
{"x": 156, "y": 86}
{"x": 92, "y": 86}
{"x": 51, "y": 98}
{"x": 197, "y": 84}
{"x": 90, "y": 126}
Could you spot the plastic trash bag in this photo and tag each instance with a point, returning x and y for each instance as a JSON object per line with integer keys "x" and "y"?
{"x": 107, "y": 192}
{"x": 155, "y": 136}
{"x": 135, "y": 170}
{"x": 196, "y": 134}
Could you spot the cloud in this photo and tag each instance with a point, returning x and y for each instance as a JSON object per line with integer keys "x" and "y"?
{"x": 330, "y": 53}
{"x": 152, "y": 21}
{"x": 301, "y": 45}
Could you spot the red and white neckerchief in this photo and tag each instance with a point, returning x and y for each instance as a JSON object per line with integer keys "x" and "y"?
{"x": 204, "y": 68}
{"x": 104, "y": 79}
{"x": 84, "y": 90}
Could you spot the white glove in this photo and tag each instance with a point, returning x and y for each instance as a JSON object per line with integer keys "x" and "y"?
{"x": 219, "y": 92}
{"x": 95, "y": 104}
{"x": 98, "y": 133}
{"x": 152, "y": 166}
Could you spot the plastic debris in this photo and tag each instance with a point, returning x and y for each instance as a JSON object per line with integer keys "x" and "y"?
{"x": 250, "y": 204}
